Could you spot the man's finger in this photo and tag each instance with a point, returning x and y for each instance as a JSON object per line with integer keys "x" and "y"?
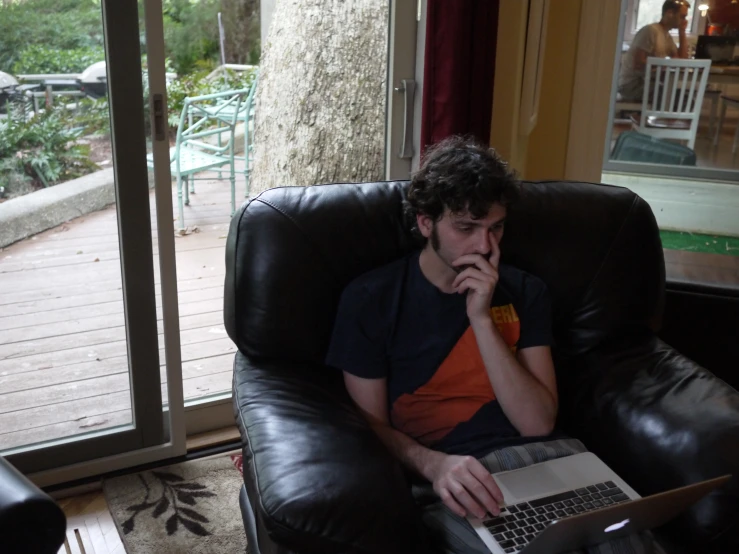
{"x": 487, "y": 480}
{"x": 472, "y": 260}
{"x": 494, "y": 252}
{"x": 463, "y": 497}
{"x": 453, "y": 505}
{"x": 478, "y": 489}
{"x": 471, "y": 273}
{"x": 470, "y": 284}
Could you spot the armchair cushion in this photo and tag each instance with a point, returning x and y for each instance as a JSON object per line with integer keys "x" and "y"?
{"x": 317, "y": 476}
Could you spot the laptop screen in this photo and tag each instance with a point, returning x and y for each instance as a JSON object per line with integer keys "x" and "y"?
{"x": 718, "y": 49}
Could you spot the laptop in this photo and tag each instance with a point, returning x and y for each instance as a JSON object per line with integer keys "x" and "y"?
{"x": 718, "y": 49}
{"x": 574, "y": 502}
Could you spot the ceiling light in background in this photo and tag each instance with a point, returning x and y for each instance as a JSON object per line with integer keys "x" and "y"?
{"x": 703, "y": 7}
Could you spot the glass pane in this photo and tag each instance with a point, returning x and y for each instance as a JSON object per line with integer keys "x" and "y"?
{"x": 679, "y": 153}
{"x": 64, "y": 367}
{"x": 648, "y": 11}
{"x": 195, "y": 47}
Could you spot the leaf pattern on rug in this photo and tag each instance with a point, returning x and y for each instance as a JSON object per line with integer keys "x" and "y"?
{"x": 175, "y": 493}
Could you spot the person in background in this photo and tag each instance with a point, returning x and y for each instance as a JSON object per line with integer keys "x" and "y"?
{"x": 653, "y": 40}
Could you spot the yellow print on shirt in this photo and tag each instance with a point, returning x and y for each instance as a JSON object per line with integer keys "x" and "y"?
{"x": 508, "y": 325}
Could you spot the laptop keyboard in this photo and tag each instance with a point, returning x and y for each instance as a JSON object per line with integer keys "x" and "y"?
{"x": 519, "y": 524}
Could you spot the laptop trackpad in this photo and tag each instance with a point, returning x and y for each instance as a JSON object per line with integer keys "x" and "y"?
{"x": 532, "y": 481}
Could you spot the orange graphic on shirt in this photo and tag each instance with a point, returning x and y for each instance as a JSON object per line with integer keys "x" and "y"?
{"x": 458, "y": 389}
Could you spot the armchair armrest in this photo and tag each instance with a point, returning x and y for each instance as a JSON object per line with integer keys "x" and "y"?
{"x": 661, "y": 421}
{"x": 30, "y": 521}
{"x": 317, "y": 477}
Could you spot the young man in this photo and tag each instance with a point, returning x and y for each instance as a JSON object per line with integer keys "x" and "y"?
{"x": 447, "y": 351}
{"x": 653, "y": 40}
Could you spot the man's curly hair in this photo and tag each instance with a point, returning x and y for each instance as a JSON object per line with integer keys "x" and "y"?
{"x": 463, "y": 176}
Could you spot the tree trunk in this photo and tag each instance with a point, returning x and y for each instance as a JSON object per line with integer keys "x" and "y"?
{"x": 320, "y": 103}
{"x": 241, "y": 29}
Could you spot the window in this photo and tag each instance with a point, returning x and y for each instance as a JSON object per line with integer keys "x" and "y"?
{"x": 644, "y": 12}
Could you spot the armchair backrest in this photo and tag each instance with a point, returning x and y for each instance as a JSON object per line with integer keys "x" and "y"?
{"x": 292, "y": 250}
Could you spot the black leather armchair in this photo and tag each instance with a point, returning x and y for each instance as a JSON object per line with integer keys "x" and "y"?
{"x": 30, "y": 521}
{"x": 317, "y": 480}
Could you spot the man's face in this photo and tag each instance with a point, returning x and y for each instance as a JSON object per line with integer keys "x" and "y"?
{"x": 678, "y": 19}
{"x": 455, "y": 235}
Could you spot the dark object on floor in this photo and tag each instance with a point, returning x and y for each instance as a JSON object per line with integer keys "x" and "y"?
{"x": 317, "y": 478}
{"x": 30, "y": 521}
{"x": 632, "y": 146}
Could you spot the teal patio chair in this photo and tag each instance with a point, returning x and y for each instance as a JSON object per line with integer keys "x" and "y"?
{"x": 246, "y": 114}
{"x": 210, "y": 115}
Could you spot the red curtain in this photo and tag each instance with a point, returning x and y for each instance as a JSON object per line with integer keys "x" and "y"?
{"x": 459, "y": 69}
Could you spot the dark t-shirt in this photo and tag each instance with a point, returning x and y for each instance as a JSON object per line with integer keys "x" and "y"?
{"x": 393, "y": 323}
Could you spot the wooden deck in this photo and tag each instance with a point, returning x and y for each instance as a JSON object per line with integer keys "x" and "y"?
{"x": 63, "y": 361}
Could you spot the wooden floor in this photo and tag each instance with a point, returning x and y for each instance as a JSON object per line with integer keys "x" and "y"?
{"x": 90, "y": 527}
{"x": 63, "y": 361}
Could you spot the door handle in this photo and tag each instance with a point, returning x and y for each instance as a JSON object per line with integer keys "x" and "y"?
{"x": 408, "y": 88}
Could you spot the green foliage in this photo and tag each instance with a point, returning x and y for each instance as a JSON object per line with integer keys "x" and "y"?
{"x": 42, "y": 149}
{"x": 40, "y": 59}
{"x": 191, "y": 33}
{"x": 65, "y": 36}
{"x": 54, "y": 24}
{"x": 93, "y": 116}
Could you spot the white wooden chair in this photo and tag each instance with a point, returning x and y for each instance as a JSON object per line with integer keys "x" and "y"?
{"x": 672, "y": 99}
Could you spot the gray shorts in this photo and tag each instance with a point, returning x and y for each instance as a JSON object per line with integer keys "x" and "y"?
{"x": 454, "y": 535}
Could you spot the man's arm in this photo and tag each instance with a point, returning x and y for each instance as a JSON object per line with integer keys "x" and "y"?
{"x": 682, "y": 49}
{"x": 462, "y": 482}
{"x": 640, "y": 59}
{"x": 526, "y": 387}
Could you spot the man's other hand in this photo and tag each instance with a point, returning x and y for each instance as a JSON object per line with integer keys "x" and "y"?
{"x": 465, "y": 486}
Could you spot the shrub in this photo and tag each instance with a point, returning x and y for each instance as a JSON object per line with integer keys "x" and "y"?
{"x": 54, "y": 24}
{"x": 40, "y": 59}
{"x": 93, "y": 116}
{"x": 42, "y": 150}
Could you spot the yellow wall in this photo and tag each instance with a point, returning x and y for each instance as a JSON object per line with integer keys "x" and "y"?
{"x": 541, "y": 154}
{"x": 547, "y": 145}
{"x": 509, "y": 61}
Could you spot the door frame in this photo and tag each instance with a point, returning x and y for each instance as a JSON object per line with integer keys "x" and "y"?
{"x": 401, "y": 122}
{"x": 155, "y": 433}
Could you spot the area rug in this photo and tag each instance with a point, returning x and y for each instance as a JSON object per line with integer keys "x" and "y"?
{"x": 192, "y": 507}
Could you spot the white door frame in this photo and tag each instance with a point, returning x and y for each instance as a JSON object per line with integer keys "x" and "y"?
{"x": 173, "y": 417}
{"x": 401, "y": 140}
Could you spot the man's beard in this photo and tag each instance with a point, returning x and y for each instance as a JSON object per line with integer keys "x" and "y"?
{"x": 436, "y": 245}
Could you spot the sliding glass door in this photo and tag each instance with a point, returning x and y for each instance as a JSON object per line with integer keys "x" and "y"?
{"x": 85, "y": 357}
